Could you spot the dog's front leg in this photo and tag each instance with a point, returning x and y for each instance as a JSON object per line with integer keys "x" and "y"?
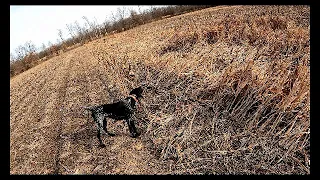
{"x": 132, "y": 128}
{"x": 99, "y": 138}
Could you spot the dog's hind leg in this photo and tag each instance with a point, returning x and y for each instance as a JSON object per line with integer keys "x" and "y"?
{"x": 104, "y": 125}
{"x": 99, "y": 129}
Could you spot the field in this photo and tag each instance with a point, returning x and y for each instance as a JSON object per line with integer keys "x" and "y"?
{"x": 230, "y": 95}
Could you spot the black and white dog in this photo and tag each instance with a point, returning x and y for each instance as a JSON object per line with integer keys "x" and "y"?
{"x": 121, "y": 110}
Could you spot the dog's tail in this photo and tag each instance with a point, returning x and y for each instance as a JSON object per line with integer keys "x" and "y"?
{"x": 89, "y": 108}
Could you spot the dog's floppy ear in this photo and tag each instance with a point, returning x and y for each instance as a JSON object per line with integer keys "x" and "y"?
{"x": 137, "y": 91}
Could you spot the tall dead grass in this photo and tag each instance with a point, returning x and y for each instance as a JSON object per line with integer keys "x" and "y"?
{"x": 228, "y": 97}
{"x": 243, "y": 116}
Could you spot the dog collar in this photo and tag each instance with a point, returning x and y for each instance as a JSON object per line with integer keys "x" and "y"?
{"x": 135, "y": 99}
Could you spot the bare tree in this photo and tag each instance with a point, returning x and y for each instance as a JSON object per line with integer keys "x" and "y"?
{"x": 69, "y": 28}
{"x": 60, "y": 34}
{"x": 96, "y": 27}
{"x": 12, "y": 57}
{"x": 43, "y": 51}
{"x": 29, "y": 47}
{"x": 135, "y": 17}
{"x": 106, "y": 26}
{"x": 20, "y": 52}
{"x": 80, "y": 31}
{"x": 121, "y": 15}
{"x": 153, "y": 12}
{"x": 87, "y": 21}
{"x": 91, "y": 27}
{"x": 113, "y": 17}
{"x": 58, "y": 41}
{"x": 139, "y": 9}
{"x": 50, "y": 48}
{"x": 71, "y": 32}
{"x": 49, "y": 44}
{"x": 43, "y": 46}
{"x": 63, "y": 44}
{"x": 114, "y": 22}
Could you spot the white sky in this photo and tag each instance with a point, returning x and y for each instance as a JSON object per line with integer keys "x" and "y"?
{"x": 40, "y": 24}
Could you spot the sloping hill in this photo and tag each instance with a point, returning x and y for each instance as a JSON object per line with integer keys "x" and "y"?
{"x": 231, "y": 92}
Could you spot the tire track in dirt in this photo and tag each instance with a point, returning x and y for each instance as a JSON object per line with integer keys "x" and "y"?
{"x": 61, "y": 97}
{"x": 76, "y": 130}
{"x": 80, "y": 153}
{"x": 28, "y": 147}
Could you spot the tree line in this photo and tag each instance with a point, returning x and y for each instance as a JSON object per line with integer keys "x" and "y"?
{"x": 26, "y": 56}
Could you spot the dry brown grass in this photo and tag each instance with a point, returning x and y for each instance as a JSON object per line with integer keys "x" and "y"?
{"x": 230, "y": 95}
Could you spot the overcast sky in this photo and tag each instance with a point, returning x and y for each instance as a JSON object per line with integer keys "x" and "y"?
{"x": 40, "y": 24}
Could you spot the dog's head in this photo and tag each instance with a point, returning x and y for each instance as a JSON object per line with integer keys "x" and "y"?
{"x": 143, "y": 88}
{"x": 137, "y": 91}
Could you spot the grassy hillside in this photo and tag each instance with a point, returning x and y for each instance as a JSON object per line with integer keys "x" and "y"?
{"x": 230, "y": 95}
